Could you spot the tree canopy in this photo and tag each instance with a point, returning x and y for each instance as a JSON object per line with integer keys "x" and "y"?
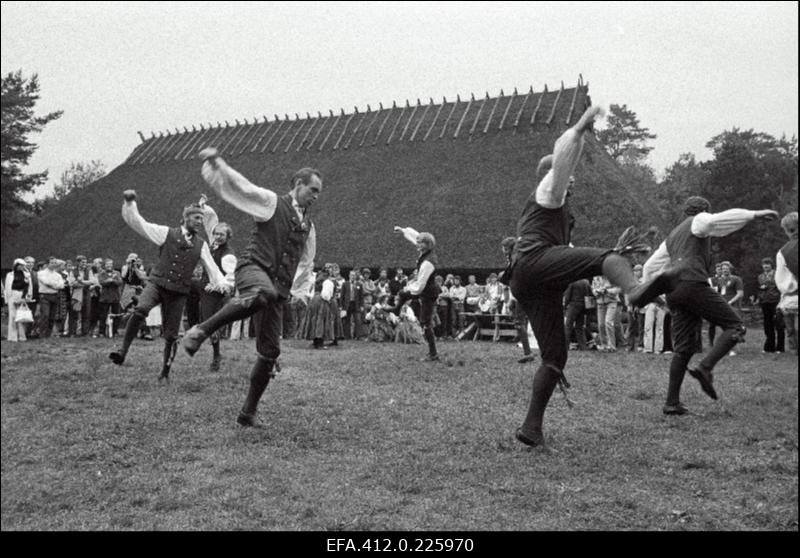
{"x": 19, "y": 97}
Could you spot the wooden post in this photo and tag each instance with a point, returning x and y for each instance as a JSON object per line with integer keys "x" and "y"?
{"x": 313, "y": 124}
{"x": 435, "y": 118}
{"x": 371, "y": 122}
{"x": 388, "y": 114}
{"x": 410, "y": 118}
{"x": 491, "y": 114}
{"x": 463, "y": 116}
{"x": 555, "y": 104}
{"x": 321, "y": 127}
{"x": 399, "y": 118}
{"x": 478, "y": 116}
{"x": 346, "y": 124}
{"x": 538, "y": 105}
{"x": 449, "y": 116}
{"x": 505, "y": 113}
{"x": 358, "y": 127}
{"x": 522, "y": 108}
{"x": 286, "y": 131}
{"x": 300, "y": 129}
{"x": 421, "y": 119}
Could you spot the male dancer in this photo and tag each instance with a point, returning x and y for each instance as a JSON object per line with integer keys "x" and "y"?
{"x": 692, "y": 299}
{"x": 422, "y": 287}
{"x": 280, "y": 254}
{"x": 213, "y": 299}
{"x": 544, "y": 263}
{"x": 180, "y": 248}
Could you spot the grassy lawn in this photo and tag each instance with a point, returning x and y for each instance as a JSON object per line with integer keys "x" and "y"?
{"x": 365, "y": 437}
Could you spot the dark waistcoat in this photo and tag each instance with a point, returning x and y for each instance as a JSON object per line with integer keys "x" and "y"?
{"x": 276, "y": 245}
{"x": 682, "y": 245}
{"x": 177, "y": 259}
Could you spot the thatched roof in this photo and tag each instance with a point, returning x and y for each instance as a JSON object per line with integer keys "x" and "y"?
{"x": 460, "y": 169}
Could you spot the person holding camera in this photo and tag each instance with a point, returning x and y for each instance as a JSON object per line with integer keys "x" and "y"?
{"x": 180, "y": 249}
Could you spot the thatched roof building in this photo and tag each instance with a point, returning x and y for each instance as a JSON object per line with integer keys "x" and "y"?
{"x": 460, "y": 169}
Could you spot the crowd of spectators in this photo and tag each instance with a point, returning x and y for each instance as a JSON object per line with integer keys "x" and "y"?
{"x": 76, "y": 298}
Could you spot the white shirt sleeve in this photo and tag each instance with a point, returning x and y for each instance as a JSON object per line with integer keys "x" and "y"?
{"x": 327, "y": 290}
{"x": 656, "y": 262}
{"x": 157, "y": 234}
{"x": 784, "y": 279}
{"x": 215, "y": 276}
{"x": 425, "y": 271}
{"x": 210, "y": 221}
{"x": 552, "y": 189}
{"x": 410, "y": 234}
{"x": 240, "y": 192}
{"x": 721, "y": 224}
{"x": 303, "y": 277}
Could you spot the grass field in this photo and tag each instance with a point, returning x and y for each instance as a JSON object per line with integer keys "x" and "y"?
{"x": 365, "y": 437}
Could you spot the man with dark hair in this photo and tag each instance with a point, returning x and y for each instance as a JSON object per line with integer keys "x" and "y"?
{"x": 212, "y": 298}
{"x": 277, "y": 262}
{"x": 180, "y": 248}
{"x": 422, "y": 287}
{"x": 691, "y": 299}
{"x": 544, "y": 264}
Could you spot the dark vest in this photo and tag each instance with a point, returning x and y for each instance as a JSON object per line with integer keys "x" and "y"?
{"x": 789, "y": 252}
{"x": 682, "y": 245}
{"x": 430, "y": 291}
{"x": 539, "y": 227}
{"x": 276, "y": 245}
{"x": 176, "y": 262}
{"x": 217, "y": 254}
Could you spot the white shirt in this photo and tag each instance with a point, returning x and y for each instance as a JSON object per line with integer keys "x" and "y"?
{"x": 157, "y": 234}
{"x": 261, "y": 203}
{"x": 703, "y": 225}
{"x": 425, "y": 269}
{"x": 787, "y": 284}
{"x": 552, "y": 189}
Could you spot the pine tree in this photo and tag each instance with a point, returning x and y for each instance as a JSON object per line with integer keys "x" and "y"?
{"x": 19, "y": 97}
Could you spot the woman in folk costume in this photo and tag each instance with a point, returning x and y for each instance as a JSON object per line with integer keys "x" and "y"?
{"x": 408, "y": 330}
{"x": 381, "y": 321}
{"x": 337, "y": 280}
{"x": 318, "y": 320}
{"x": 16, "y": 290}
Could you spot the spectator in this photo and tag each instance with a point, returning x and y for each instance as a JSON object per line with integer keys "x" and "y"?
{"x": 731, "y": 288}
{"x": 575, "y": 310}
{"x": 110, "y": 292}
{"x": 474, "y": 292}
{"x": 607, "y": 297}
{"x": 768, "y": 298}
{"x": 16, "y": 291}
{"x": 635, "y": 317}
{"x": 51, "y": 282}
{"x": 317, "y": 323}
{"x": 397, "y": 283}
{"x": 64, "y": 299}
{"x": 82, "y": 280}
{"x": 458, "y": 294}
{"x": 408, "y": 329}
{"x": 381, "y": 320}
{"x": 655, "y": 314}
{"x": 32, "y": 329}
{"x": 443, "y": 308}
{"x": 786, "y": 278}
{"x": 350, "y": 295}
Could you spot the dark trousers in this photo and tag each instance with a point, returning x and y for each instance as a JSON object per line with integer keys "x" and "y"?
{"x": 48, "y": 309}
{"x": 104, "y": 309}
{"x": 210, "y": 303}
{"x": 575, "y": 322}
{"x": 172, "y": 304}
{"x": 692, "y": 302}
{"x": 774, "y": 327}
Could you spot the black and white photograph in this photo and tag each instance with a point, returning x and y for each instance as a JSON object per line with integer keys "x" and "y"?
{"x": 399, "y": 276}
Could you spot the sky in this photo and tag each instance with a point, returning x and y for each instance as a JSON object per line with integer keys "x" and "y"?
{"x": 689, "y": 70}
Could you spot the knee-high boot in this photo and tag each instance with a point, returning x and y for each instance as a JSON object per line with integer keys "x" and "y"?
{"x": 259, "y": 379}
{"x": 131, "y": 329}
{"x": 170, "y": 348}
{"x": 544, "y": 382}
